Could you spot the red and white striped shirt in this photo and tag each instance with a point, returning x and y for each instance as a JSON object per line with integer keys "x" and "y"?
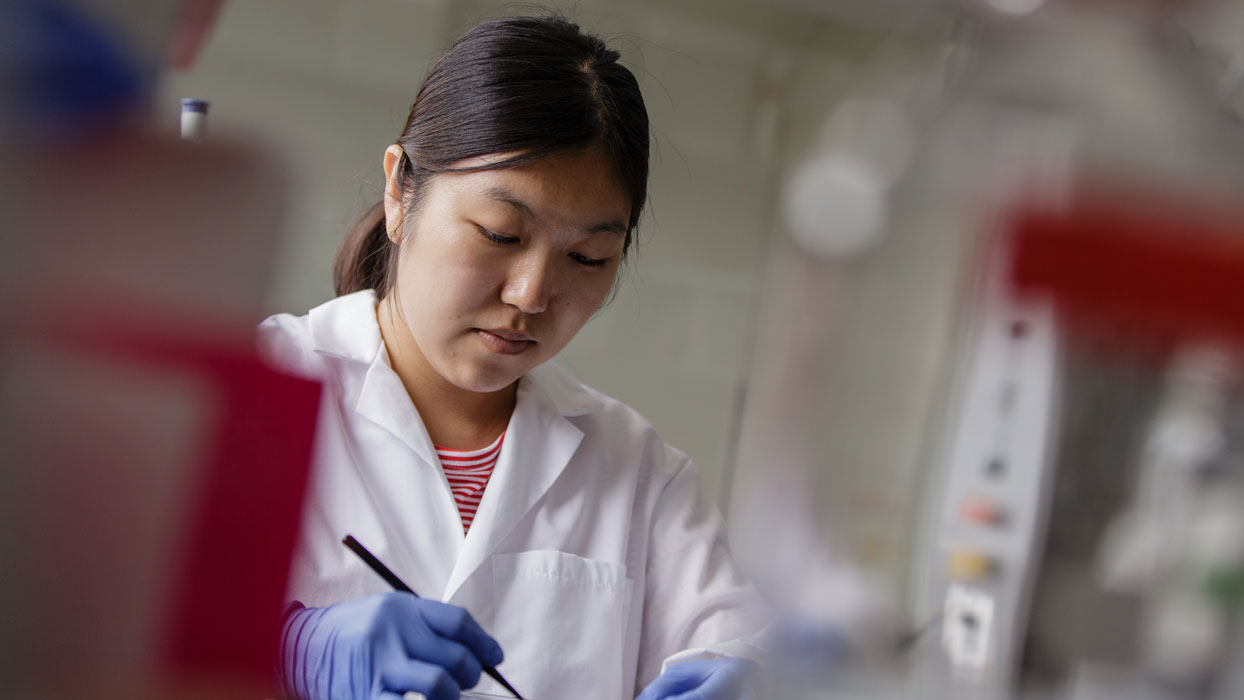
{"x": 468, "y": 472}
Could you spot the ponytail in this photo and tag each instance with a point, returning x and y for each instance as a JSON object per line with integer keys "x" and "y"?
{"x": 364, "y": 259}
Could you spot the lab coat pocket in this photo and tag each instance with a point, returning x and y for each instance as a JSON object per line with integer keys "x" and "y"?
{"x": 562, "y": 621}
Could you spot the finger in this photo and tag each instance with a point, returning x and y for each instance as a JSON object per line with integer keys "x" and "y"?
{"x": 669, "y": 684}
{"x": 453, "y": 622}
{"x": 707, "y": 679}
{"x": 431, "y": 680}
{"x": 654, "y": 691}
{"x": 710, "y": 689}
{"x": 459, "y": 661}
{"x": 727, "y": 682}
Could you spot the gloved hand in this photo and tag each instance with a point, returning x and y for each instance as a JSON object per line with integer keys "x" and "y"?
{"x": 380, "y": 647}
{"x": 702, "y": 679}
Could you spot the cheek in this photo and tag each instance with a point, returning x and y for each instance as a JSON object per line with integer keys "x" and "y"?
{"x": 577, "y": 308}
{"x": 442, "y": 282}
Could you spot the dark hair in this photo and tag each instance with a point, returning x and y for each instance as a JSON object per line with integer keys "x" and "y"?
{"x": 535, "y": 86}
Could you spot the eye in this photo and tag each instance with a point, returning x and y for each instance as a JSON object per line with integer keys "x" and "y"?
{"x": 590, "y": 262}
{"x": 496, "y": 237}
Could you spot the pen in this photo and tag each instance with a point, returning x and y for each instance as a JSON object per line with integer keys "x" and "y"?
{"x": 398, "y": 585}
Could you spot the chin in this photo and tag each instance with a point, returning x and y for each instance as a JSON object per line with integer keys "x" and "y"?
{"x": 487, "y": 379}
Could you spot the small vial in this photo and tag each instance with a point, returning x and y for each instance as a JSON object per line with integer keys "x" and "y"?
{"x": 193, "y": 119}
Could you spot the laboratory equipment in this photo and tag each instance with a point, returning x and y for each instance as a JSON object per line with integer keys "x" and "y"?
{"x": 1022, "y": 402}
{"x": 193, "y": 119}
{"x": 154, "y": 465}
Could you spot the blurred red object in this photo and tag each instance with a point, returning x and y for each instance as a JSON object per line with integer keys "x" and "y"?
{"x": 1158, "y": 269}
{"x": 230, "y": 525}
{"x": 155, "y": 466}
{"x": 194, "y": 23}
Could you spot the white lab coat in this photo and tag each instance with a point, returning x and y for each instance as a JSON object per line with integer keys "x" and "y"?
{"x": 595, "y": 557}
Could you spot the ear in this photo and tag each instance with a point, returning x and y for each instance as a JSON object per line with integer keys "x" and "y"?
{"x": 394, "y": 208}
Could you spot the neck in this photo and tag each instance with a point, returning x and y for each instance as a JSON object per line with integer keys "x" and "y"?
{"x": 455, "y": 418}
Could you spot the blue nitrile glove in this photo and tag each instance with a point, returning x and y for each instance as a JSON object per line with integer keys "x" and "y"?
{"x": 702, "y": 679}
{"x": 380, "y": 647}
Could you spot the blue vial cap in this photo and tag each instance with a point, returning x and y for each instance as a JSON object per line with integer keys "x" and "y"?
{"x": 192, "y": 105}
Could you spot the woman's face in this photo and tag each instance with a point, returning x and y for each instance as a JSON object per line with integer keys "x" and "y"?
{"x": 499, "y": 269}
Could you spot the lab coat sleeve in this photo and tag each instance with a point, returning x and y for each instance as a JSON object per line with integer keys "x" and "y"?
{"x": 696, "y": 603}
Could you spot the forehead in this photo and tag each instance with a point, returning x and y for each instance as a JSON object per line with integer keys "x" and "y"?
{"x": 579, "y": 188}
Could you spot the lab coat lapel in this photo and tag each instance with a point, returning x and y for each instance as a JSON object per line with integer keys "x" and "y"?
{"x": 539, "y": 443}
{"x": 384, "y": 401}
{"x": 346, "y": 327}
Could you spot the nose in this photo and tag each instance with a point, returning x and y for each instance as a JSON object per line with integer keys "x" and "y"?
{"x": 530, "y": 282}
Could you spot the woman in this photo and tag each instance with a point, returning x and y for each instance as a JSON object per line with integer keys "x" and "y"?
{"x": 484, "y": 477}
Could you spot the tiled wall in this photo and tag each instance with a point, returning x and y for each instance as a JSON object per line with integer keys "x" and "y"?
{"x": 326, "y": 85}
{"x": 737, "y": 92}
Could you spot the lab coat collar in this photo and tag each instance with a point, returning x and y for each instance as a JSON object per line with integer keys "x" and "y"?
{"x": 346, "y": 327}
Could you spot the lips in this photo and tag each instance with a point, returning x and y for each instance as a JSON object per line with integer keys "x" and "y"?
{"x": 505, "y": 342}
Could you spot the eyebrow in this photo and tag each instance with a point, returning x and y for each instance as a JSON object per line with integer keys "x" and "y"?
{"x": 501, "y": 194}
